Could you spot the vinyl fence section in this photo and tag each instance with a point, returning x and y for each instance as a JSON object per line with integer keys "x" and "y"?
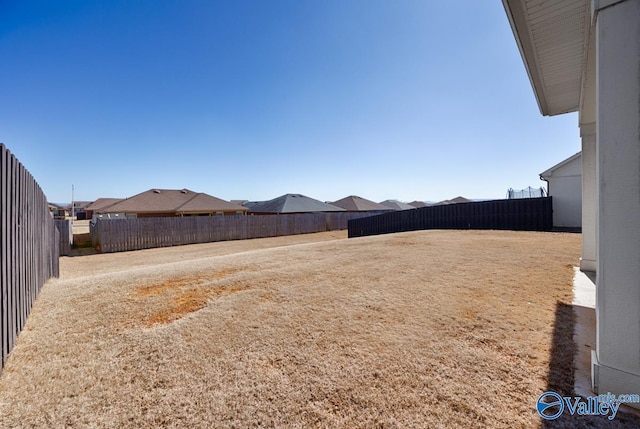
{"x": 530, "y": 214}
{"x": 119, "y": 235}
{"x": 29, "y": 246}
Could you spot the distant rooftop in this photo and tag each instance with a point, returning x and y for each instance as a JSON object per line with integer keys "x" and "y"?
{"x": 172, "y": 201}
{"x": 455, "y": 200}
{"x": 291, "y": 203}
{"x": 355, "y": 203}
{"x": 397, "y": 205}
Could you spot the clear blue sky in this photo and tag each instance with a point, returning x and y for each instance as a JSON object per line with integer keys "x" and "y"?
{"x": 251, "y": 99}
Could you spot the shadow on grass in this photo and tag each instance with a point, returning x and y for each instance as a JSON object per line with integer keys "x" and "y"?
{"x": 560, "y": 377}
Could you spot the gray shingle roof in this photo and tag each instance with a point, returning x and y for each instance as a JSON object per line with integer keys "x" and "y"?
{"x": 397, "y": 205}
{"x": 292, "y": 203}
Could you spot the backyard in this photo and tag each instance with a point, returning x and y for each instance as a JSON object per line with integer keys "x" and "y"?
{"x": 438, "y": 329}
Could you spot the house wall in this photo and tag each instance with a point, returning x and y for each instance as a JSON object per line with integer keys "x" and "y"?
{"x": 567, "y": 201}
{"x": 173, "y": 214}
{"x": 616, "y": 366}
{"x": 145, "y": 215}
{"x": 565, "y": 186}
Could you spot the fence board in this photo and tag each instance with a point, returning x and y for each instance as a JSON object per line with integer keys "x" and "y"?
{"x": 532, "y": 214}
{"x": 4, "y": 250}
{"x": 28, "y": 247}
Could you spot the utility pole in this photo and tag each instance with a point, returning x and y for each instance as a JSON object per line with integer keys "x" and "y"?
{"x": 73, "y": 206}
{"x": 73, "y": 214}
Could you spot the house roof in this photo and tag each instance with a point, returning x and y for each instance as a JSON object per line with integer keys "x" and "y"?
{"x": 172, "y": 201}
{"x": 549, "y": 172}
{"x": 205, "y": 203}
{"x": 292, "y": 203}
{"x": 418, "y": 204}
{"x": 102, "y": 203}
{"x": 80, "y": 205}
{"x": 355, "y": 203}
{"x": 552, "y": 37}
{"x": 397, "y": 205}
{"x": 455, "y": 200}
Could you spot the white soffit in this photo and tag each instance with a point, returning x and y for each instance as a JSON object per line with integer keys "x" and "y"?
{"x": 552, "y": 37}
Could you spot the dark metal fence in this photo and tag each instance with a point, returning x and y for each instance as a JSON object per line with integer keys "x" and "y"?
{"x": 29, "y": 247}
{"x": 119, "y": 235}
{"x": 530, "y": 214}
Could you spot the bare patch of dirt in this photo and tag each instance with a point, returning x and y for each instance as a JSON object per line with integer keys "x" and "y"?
{"x": 174, "y": 298}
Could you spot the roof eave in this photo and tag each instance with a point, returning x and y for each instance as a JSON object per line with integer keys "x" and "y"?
{"x": 549, "y": 171}
{"x": 526, "y": 52}
{"x": 536, "y": 57}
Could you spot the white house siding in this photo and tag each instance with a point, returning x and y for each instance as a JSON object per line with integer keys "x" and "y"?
{"x": 565, "y": 186}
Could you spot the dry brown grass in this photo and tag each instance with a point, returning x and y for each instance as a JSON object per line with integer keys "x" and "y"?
{"x": 424, "y": 329}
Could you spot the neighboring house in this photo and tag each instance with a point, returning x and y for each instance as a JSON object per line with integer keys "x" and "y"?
{"x": 101, "y": 204}
{"x": 172, "y": 202}
{"x": 565, "y": 186}
{"x": 58, "y": 211}
{"x": 418, "y": 204}
{"x": 354, "y": 203}
{"x": 80, "y": 209}
{"x": 396, "y": 205}
{"x": 455, "y": 200}
{"x": 584, "y": 56}
{"x": 291, "y": 203}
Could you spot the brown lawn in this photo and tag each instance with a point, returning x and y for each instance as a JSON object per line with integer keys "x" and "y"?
{"x": 439, "y": 329}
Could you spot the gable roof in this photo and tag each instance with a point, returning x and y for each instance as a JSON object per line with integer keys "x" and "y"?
{"x": 397, "y": 205}
{"x": 549, "y": 172}
{"x": 292, "y": 203}
{"x": 103, "y": 203}
{"x": 418, "y": 204}
{"x": 455, "y": 200}
{"x": 172, "y": 201}
{"x": 355, "y": 203}
{"x": 204, "y": 203}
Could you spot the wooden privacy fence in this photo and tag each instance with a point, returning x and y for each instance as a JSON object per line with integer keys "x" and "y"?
{"x": 29, "y": 246}
{"x": 119, "y": 235}
{"x": 530, "y": 214}
{"x": 66, "y": 236}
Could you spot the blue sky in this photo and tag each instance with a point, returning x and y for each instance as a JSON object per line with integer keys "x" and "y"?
{"x": 404, "y": 99}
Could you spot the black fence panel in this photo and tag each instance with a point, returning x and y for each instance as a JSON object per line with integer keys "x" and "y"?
{"x": 527, "y": 214}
